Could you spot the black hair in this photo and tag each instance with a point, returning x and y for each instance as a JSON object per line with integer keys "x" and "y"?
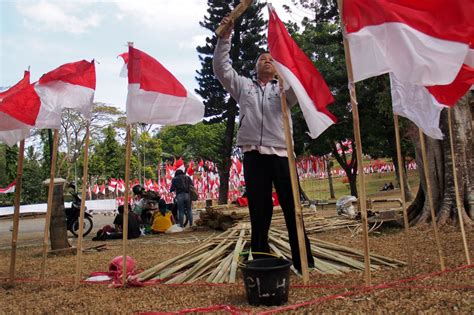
{"x": 162, "y": 206}
{"x": 178, "y": 172}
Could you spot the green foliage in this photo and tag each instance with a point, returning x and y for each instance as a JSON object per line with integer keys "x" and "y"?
{"x": 107, "y": 159}
{"x": 32, "y": 188}
{"x": 197, "y": 141}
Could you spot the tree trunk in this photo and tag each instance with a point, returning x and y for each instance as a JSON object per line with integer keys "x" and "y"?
{"x": 441, "y": 170}
{"x": 408, "y": 194}
{"x": 224, "y": 169}
{"x": 350, "y": 168}
{"x": 329, "y": 165}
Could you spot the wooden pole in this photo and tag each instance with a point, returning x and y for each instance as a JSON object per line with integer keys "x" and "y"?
{"x": 295, "y": 188}
{"x": 430, "y": 198}
{"x": 83, "y": 206}
{"x": 401, "y": 167}
{"x": 125, "y": 205}
{"x": 456, "y": 188}
{"x": 235, "y": 14}
{"x": 16, "y": 211}
{"x": 360, "y": 166}
{"x": 50, "y": 203}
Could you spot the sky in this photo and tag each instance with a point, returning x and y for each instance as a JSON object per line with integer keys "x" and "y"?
{"x": 44, "y": 34}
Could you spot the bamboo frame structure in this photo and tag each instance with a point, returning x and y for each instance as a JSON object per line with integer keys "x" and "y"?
{"x": 360, "y": 167}
{"x": 430, "y": 199}
{"x": 83, "y": 206}
{"x": 294, "y": 187}
{"x": 456, "y": 188}
{"x": 16, "y": 211}
{"x": 50, "y": 204}
{"x": 401, "y": 175}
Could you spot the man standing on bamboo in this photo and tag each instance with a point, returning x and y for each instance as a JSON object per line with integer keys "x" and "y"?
{"x": 262, "y": 139}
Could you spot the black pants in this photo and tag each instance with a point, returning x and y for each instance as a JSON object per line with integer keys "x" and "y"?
{"x": 260, "y": 171}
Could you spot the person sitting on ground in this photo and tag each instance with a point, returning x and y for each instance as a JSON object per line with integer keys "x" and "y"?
{"x": 385, "y": 187}
{"x": 162, "y": 219}
{"x": 390, "y": 186}
{"x": 139, "y": 201}
{"x": 109, "y": 233}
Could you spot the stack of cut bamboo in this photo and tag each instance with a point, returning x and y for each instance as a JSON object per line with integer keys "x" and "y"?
{"x": 216, "y": 260}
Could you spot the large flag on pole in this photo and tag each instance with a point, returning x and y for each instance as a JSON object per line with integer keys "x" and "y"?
{"x": 39, "y": 105}
{"x": 155, "y": 96}
{"x": 422, "y": 42}
{"x": 299, "y": 72}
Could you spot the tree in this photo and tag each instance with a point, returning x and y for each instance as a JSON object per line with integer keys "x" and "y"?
{"x": 107, "y": 159}
{"x": 441, "y": 171}
{"x": 196, "y": 141}
{"x": 32, "y": 188}
{"x": 247, "y": 41}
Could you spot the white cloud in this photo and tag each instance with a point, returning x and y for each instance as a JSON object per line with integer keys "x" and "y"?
{"x": 65, "y": 16}
{"x": 164, "y": 15}
{"x": 197, "y": 40}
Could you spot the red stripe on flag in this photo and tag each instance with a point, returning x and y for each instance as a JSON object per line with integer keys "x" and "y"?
{"x": 444, "y": 19}
{"x": 151, "y": 75}
{"x": 77, "y": 73}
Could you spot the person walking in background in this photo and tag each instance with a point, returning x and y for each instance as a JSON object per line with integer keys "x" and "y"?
{"x": 262, "y": 139}
{"x": 180, "y": 184}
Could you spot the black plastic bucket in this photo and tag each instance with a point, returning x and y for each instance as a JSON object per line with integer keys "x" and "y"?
{"x": 267, "y": 281}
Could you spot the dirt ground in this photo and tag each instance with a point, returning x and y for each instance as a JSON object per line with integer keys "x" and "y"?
{"x": 430, "y": 292}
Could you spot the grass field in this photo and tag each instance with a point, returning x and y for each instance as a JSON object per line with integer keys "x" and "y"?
{"x": 318, "y": 189}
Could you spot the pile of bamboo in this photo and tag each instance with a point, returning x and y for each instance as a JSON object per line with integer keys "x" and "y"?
{"x": 217, "y": 259}
{"x": 220, "y": 220}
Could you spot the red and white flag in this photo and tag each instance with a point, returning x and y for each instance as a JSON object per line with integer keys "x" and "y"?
{"x": 190, "y": 170}
{"x": 9, "y": 189}
{"x": 422, "y": 42}
{"x": 155, "y": 96}
{"x": 102, "y": 189}
{"x": 95, "y": 190}
{"x": 299, "y": 72}
{"x": 423, "y": 105}
{"x": 39, "y": 105}
{"x": 179, "y": 165}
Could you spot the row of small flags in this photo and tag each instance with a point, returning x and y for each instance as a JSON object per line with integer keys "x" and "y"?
{"x": 313, "y": 166}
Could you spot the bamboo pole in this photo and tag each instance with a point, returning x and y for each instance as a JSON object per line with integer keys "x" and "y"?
{"x": 294, "y": 187}
{"x": 235, "y": 14}
{"x": 360, "y": 166}
{"x": 83, "y": 206}
{"x": 16, "y": 211}
{"x": 125, "y": 205}
{"x": 456, "y": 188}
{"x": 50, "y": 204}
{"x": 430, "y": 199}
{"x": 401, "y": 167}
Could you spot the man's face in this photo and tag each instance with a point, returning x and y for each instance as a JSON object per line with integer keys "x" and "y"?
{"x": 265, "y": 65}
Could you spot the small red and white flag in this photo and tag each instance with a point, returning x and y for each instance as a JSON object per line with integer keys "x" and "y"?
{"x": 190, "y": 170}
{"x": 179, "y": 165}
{"x": 9, "y": 189}
{"x": 299, "y": 72}
{"x": 422, "y": 42}
{"x": 102, "y": 189}
{"x": 155, "y": 96}
{"x": 95, "y": 190}
{"x": 39, "y": 105}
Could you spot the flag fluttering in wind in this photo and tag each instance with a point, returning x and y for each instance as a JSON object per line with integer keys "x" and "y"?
{"x": 299, "y": 72}
{"x": 423, "y": 105}
{"x": 9, "y": 189}
{"x": 39, "y": 105}
{"x": 422, "y": 42}
{"x": 155, "y": 96}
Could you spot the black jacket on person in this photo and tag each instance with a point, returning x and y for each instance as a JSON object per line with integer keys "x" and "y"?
{"x": 180, "y": 183}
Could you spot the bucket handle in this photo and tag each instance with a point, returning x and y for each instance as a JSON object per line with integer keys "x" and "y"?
{"x": 241, "y": 264}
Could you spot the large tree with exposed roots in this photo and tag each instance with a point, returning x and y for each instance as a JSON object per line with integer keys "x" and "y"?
{"x": 441, "y": 170}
